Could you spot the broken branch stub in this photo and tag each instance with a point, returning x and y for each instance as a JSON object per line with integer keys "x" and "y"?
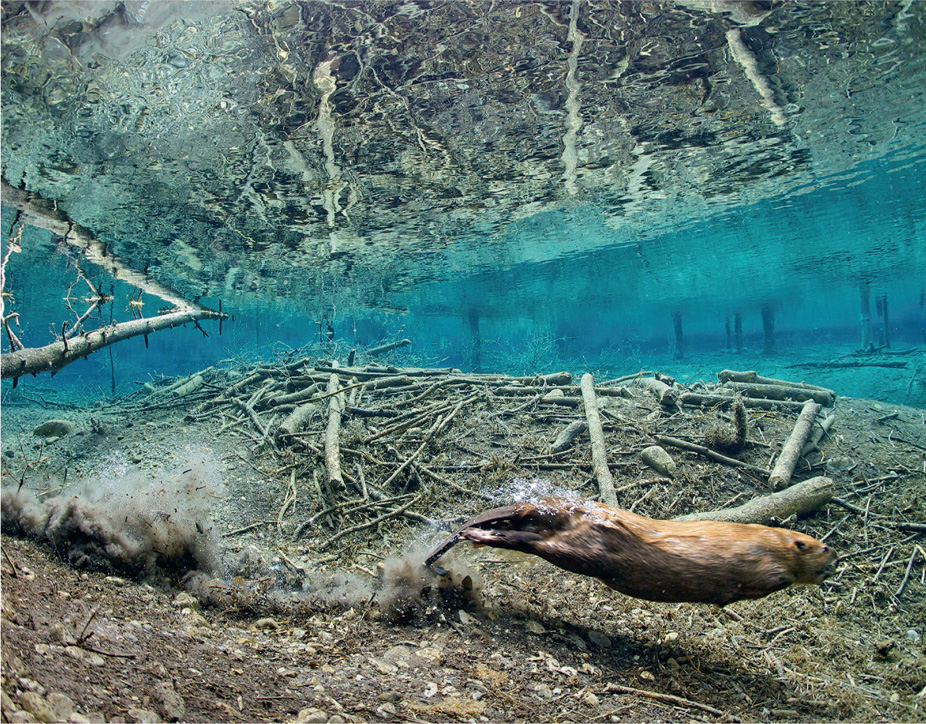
{"x": 799, "y": 499}
{"x": 791, "y": 452}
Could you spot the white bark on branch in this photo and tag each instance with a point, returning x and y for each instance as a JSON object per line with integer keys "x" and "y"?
{"x": 52, "y": 357}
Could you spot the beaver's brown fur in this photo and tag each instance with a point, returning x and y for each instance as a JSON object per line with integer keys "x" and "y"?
{"x": 658, "y": 560}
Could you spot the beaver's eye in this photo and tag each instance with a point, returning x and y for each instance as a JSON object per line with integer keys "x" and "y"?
{"x": 800, "y": 545}
{"x": 826, "y": 549}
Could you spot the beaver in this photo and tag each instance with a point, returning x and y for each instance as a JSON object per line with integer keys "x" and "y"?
{"x": 657, "y": 560}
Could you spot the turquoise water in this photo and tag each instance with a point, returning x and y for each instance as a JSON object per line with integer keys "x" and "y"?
{"x": 662, "y": 187}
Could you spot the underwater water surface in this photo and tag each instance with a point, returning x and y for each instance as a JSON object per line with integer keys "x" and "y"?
{"x": 671, "y": 186}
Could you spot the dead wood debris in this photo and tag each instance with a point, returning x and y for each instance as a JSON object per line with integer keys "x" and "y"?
{"x": 409, "y": 442}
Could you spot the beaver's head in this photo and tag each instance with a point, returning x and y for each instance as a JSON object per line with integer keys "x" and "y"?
{"x": 809, "y": 560}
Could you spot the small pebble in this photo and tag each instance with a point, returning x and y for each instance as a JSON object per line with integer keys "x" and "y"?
{"x": 311, "y": 715}
{"x": 30, "y": 685}
{"x": 61, "y": 705}
{"x": 543, "y": 691}
{"x": 386, "y": 711}
{"x": 16, "y": 717}
{"x": 36, "y": 705}
{"x": 185, "y": 600}
{"x": 266, "y": 624}
{"x": 534, "y": 627}
{"x": 145, "y": 716}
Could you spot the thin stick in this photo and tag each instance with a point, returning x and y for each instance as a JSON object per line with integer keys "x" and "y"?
{"x": 369, "y": 524}
{"x": 438, "y": 425}
{"x": 114, "y": 654}
{"x": 833, "y": 529}
{"x": 708, "y": 453}
{"x": 247, "y": 528}
{"x": 848, "y": 506}
{"x": 83, "y": 632}
{"x": 10, "y": 561}
{"x": 447, "y": 481}
{"x": 363, "y": 481}
{"x": 883, "y": 563}
{"x": 668, "y": 698}
{"x": 360, "y": 504}
{"x": 907, "y": 574}
{"x": 853, "y": 554}
{"x": 410, "y": 459}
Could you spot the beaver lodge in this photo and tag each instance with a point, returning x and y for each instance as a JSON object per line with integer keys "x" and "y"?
{"x": 246, "y": 544}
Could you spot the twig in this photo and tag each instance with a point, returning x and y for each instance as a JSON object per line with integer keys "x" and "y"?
{"x": 369, "y": 524}
{"x": 247, "y": 528}
{"x": 906, "y": 577}
{"x": 114, "y": 654}
{"x": 912, "y": 527}
{"x": 833, "y": 529}
{"x": 286, "y": 558}
{"x": 438, "y": 425}
{"x": 668, "y": 698}
{"x": 853, "y": 554}
{"x": 10, "y": 561}
{"x": 708, "y": 453}
{"x": 287, "y": 500}
{"x": 361, "y": 504}
{"x": 883, "y": 563}
{"x": 848, "y": 506}
{"x": 447, "y": 481}
{"x": 83, "y": 632}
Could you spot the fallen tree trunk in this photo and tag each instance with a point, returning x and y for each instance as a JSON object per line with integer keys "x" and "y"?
{"x": 723, "y": 401}
{"x": 383, "y": 348}
{"x": 293, "y": 398}
{"x": 780, "y": 392}
{"x": 666, "y": 394}
{"x": 296, "y": 421}
{"x": 819, "y": 430}
{"x": 336, "y": 484}
{"x": 52, "y": 357}
{"x": 800, "y": 499}
{"x": 599, "y": 456}
{"x": 751, "y": 376}
{"x": 791, "y": 452}
{"x": 898, "y": 364}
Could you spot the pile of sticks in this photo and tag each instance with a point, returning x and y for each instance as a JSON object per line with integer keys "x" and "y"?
{"x": 373, "y": 443}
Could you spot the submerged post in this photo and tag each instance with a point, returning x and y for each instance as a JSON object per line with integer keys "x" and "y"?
{"x": 768, "y": 328}
{"x": 864, "y": 295}
{"x": 678, "y": 348}
{"x": 884, "y": 336}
